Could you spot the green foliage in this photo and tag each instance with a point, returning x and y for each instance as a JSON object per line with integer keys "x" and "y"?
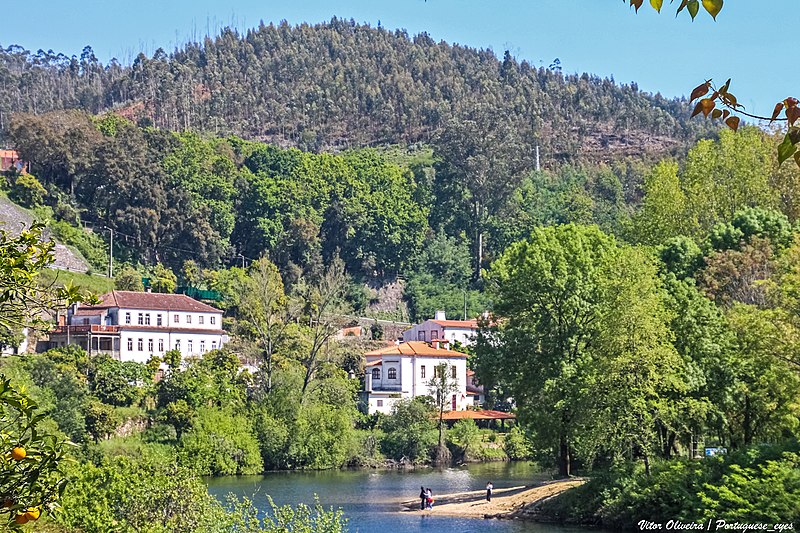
{"x": 32, "y": 464}
{"x": 517, "y": 445}
{"x": 90, "y": 245}
{"x": 410, "y": 431}
{"x": 749, "y": 223}
{"x": 93, "y": 284}
{"x": 27, "y": 191}
{"x": 146, "y": 495}
{"x": 754, "y": 485}
{"x": 163, "y": 279}
{"x": 221, "y": 443}
{"x": 22, "y": 303}
{"x": 117, "y": 383}
{"x": 465, "y": 435}
{"x": 128, "y": 279}
{"x": 681, "y": 256}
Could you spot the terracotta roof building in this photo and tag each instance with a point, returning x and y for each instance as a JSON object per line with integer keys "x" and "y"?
{"x": 439, "y": 328}
{"x": 135, "y": 326}
{"x": 405, "y": 371}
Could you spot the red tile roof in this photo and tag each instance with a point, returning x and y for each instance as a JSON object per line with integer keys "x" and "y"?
{"x": 151, "y": 300}
{"x": 420, "y": 348}
{"x": 477, "y": 415}
{"x": 375, "y": 363}
{"x": 464, "y": 324}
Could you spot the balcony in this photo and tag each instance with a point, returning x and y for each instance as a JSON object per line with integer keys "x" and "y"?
{"x": 83, "y": 329}
{"x": 386, "y": 387}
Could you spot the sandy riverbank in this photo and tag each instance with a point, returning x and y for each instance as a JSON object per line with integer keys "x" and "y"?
{"x": 506, "y": 502}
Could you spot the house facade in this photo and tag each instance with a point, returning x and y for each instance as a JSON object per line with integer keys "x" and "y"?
{"x": 133, "y": 326}
{"x": 9, "y": 160}
{"x": 404, "y": 371}
{"x": 438, "y": 328}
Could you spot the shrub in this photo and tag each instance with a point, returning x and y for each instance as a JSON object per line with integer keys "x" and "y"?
{"x": 27, "y": 191}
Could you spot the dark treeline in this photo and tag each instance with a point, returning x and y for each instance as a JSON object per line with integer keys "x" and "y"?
{"x": 344, "y": 85}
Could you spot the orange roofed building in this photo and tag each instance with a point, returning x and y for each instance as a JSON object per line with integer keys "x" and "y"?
{"x": 404, "y": 371}
{"x": 463, "y": 331}
{"x": 9, "y": 159}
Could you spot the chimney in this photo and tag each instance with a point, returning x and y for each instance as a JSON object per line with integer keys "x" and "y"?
{"x": 440, "y": 315}
{"x": 435, "y": 344}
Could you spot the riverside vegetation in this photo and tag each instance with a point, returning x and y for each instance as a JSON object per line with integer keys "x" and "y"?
{"x": 642, "y": 304}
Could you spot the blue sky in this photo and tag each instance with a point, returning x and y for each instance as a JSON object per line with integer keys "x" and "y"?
{"x": 750, "y": 43}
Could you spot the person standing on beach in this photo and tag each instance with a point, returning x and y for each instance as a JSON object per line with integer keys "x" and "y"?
{"x": 423, "y": 498}
{"x": 489, "y": 489}
{"x": 429, "y": 498}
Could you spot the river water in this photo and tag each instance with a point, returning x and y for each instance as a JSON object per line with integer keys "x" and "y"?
{"x": 370, "y": 498}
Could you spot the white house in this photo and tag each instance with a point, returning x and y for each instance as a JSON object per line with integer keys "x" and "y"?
{"x": 133, "y": 326}
{"x": 463, "y": 331}
{"x": 405, "y": 370}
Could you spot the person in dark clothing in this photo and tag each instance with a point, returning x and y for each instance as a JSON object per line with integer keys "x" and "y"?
{"x": 423, "y": 498}
{"x": 489, "y": 489}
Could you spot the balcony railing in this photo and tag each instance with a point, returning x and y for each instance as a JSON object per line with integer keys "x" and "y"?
{"x": 86, "y": 328}
{"x": 386, "y": 387}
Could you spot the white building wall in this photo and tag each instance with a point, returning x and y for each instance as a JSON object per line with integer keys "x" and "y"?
{"x": 412, "y": 383}
{"x": 189, "y": 344}
{"x": 465, "y": 336}
{"x": 172, "y": 319}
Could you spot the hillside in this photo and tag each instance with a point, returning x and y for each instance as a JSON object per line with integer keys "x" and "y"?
{"x": 13, "y": 217}
{"x": 343, "y": 85}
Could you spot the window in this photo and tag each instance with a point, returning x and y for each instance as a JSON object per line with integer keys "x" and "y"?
{"x": 177, "y": 319}
{"x": 140, "y": 344}
{"x": 158, "y": 320}
{"x": 160, "y": 345}
{"x": 380, "y": 403}
{"x": 453, "y": 372}
{"x": 422, "y": 371}
{"x": 178, "y": 345}
{"x": 149, "y": 345}
{"x": 147, "y": 319}
{"x": 434, "y": 334}
{"x": 127, "y": 318}
{"x": 213, "y": 320}
{"x": 200, "y": 319}
{"x": 188, "y": 319}
{"x": 141, "y": 319}
{"x": 376, "y": 373}
{"x": 420, "y": 335}
{"x": 130, "y": 345}
{"x": 85, "y": 321}
{"x": 189, "y": 345}
{"x": 213, "y": 345}
{"x": 202, "y": 346}
{"x": 392, "y": 373}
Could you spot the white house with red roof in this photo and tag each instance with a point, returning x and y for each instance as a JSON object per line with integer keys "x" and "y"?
{"x": 404, "y": 371}
{"x": 463, "y": 331}
{"x": 133, "y": 326}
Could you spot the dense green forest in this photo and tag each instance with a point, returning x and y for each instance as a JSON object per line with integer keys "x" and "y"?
{"x": 344, "y": 85}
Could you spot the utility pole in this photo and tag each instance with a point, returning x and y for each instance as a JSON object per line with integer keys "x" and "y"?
{"x": 465, "y": 304}
{"x": 538, "y": 167}
{"x": 110, "y": 253}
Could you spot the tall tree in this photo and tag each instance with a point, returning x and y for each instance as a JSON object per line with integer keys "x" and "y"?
{"x": 546, "y": 292}
{"x": 484, "y": 158}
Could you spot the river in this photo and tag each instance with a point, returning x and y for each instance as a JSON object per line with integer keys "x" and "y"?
{"x": 370, "y": 498}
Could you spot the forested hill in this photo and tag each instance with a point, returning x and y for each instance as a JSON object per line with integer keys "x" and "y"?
{"x": 341, "y": 85}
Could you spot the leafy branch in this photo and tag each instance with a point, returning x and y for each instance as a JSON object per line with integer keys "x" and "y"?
{"x": 722, "y": 96}
{"x": 713, "y": 7}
